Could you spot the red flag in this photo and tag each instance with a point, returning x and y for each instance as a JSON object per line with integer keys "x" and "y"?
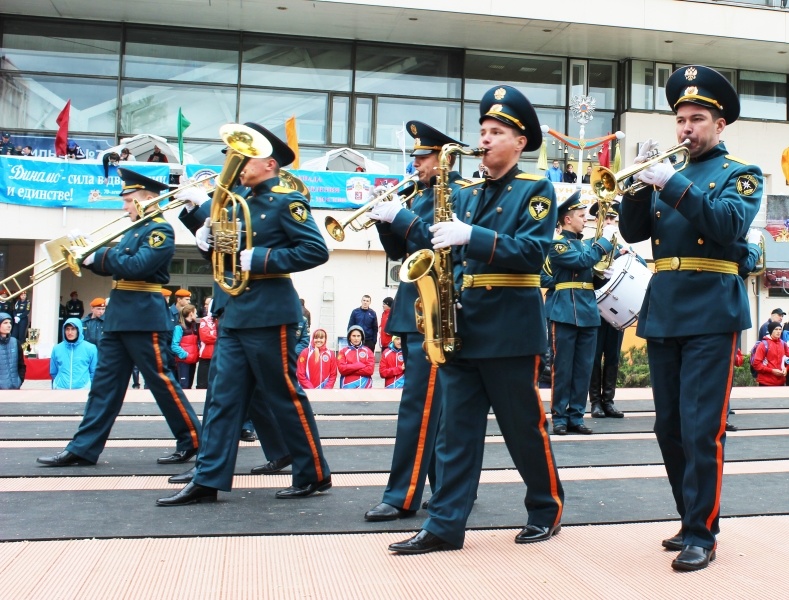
{"x": 61, "y": 139}
{"x": 604, "y": 156}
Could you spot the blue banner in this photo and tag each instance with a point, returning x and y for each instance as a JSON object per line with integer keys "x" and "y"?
{"x": 328, "y": 189}
{"x": 57, "y": 182}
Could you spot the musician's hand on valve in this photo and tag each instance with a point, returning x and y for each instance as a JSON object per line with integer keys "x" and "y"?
{"x": 657, "y": 175}
{"x": 89, "y": 259}
{"x": 246, "y": 259}
{"x": 754, "y": 236}
{"x": 450, "y": 233}
{"x": 385, "y": 212}
{"x": 646, "y": 151}
{"x": 609, "y": 231}
{"x": 608, "y": 273}
{"x": 203, "y": 236}
{"x": 76, "y": 234}
{"x": 193, "y": 196}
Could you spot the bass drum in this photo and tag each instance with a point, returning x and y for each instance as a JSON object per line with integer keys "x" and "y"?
{"x": 619, "y": 300}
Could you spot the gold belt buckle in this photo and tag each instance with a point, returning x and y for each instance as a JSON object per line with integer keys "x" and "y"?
{"x": 468, "y": 281}
{"x": 675, "y": 263}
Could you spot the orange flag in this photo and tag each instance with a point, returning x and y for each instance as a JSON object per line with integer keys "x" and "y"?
{"x": 293, "y": 139}
{"x": 785, "y": 164}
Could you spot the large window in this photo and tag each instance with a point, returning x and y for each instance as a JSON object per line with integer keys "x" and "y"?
{"x": 271, "y": 108}
{"x": 763, "y": 95}
{"x": 394, "y": 113}
{"x": 541, "y": 79}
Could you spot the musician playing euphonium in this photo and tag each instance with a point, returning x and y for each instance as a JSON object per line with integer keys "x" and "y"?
{"x": 499, "y": 238}
{"x": 402, "y": 232}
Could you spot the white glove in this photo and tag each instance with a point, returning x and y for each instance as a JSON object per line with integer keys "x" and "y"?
{"x": 657, "y": 175}
{"x": 203, "y": 236}
{"x": 246, "y": 259}
{"x": 646, "y": 151}
{"x": 385, "y": 211}
{"x": 76, "y": 234}
{"x": 754, "y": 236}
{"x": 609, "y": 231}
{"x": 608, "y": 273}
{"x": 194, "y": 196}
{"x": 16, "y": 319}
{"x": 89, "y": 259}
{"x": 450, "y": 233}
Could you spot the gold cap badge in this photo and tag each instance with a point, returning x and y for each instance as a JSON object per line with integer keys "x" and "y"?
{"x": 690, "y": 73}
{"x": 499, "y": 93}
{"x": 413, "y": 129}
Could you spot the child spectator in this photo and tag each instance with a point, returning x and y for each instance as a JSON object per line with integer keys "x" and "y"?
{"x": 317, "y": 365}
{"x": 392, "y": 367}
{"x": 208, "y": 333}
{"x": 356, "y": 363}
{"x": 185, "y": 346}
{"x": 73, "y": 361}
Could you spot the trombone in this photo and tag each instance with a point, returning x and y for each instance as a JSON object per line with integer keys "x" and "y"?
{"x": 337, "y": 229}
{"x": 64, "y": 252}
{"x": 607, "y": 185}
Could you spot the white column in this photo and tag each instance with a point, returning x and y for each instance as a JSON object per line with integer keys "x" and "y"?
{"x": 45, "y": 300}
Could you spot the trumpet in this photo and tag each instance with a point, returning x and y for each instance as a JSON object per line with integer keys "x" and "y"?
{"x": 337, "y": 229}
{"x": 65, "y": 252}
{"x": 607, "y": 185}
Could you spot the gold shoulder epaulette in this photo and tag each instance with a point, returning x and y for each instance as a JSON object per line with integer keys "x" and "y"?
{"x": 558, "y": 236}
{"x": 281, "y": 189}
{"x": 464, "y": 183}
{"x": 529, "y": 176}
{"x": 159, "y": 220}
{"x": 738, "y": 160}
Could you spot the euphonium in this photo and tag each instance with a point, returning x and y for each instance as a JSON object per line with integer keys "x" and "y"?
{"x": 227, "y": 208}
{"x": 431, "y": 272}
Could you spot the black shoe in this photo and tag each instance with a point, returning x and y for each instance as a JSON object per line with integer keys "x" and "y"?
{"x": 560, "y": 429}
{"x": 191, "y": 494}
{"x": 536, "y": 533}
{"x": 583, "y": 429}
{"x": 425, "y": 505}
{"x": 673, "y": 543}
{"x": 387, "y": 512}
{"x": 273, "y": 466}
{"x": 421, "y": 543}
{"x": 303, "y": 492}
{"x": 183, "y": 477}
{"x": 136, "y": 387}
{"x": 179, "y": 456}
{"x": 611, "y": 412}
{"x": 247, "y": 435}
{"x": 63, "y": 459}
{"x": 730, "y": 427}
{"x": 693, "y": 558}
{"x": 597, "y": 411}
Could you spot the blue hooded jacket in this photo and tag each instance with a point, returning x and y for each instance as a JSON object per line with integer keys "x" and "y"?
{"x": 73, "y": 364}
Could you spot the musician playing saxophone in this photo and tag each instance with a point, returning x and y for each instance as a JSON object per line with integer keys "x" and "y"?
{"x": 499, "y": 237}
{"x": 402, "y": 232}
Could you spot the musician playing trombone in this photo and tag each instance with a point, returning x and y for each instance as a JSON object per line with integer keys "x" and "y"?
{"x": 698, "y": 219}
{"x": 136, "y": 331}
{"x": 402, "y": 232}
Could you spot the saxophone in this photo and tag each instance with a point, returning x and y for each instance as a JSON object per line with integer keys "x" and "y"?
{"x": 432, "y": 274}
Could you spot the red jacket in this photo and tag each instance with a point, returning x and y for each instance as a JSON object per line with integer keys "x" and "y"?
{"x": 392, "y": 367}
{"x": 208, "y": 335}
{"x": 386, "y": 339}
{"x": 356, "y": 367}
{"x": 316, "y": 369}
{"x": 774, "y": 354}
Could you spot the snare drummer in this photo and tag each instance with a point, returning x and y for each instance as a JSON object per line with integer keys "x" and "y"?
{"x": 572, "y": 314}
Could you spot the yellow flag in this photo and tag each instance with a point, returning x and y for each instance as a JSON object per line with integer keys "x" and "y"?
{"x": 542, "y": 160}
{"x": 617, "y": 159}
{"x": 293, "y": 139}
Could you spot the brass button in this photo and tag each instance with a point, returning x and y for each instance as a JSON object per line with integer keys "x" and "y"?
{"x": 262, "y": 216}
{"x": 725, "y": 165}
{"x": 468, "y": 214}
{"x": 271, "y": 198}
{"x": 712, "y": 185}
{"x": 657, "y": 242}
{"x": 700, "y": 241}
{"x": 488, "y": 287}
{"x": 509, "y": 188}
{"x": 657, "y": 214}
{"x": 674, "y": 263}
{"x": 254, "y": 233}
{"x": 136, "y": 235}
{"x": 498, "y": 209}
{"x": 474, "y": 193}
{"x": 465, "y": 263}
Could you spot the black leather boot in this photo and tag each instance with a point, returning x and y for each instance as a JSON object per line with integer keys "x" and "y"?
{"x": 609, "y": 389}
{"x": 594, "y": 393}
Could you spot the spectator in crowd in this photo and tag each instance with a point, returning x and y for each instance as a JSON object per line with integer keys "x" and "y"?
{"x": 157, "y": 156}
{"x": 6, "y": 305}
{"x": 555, "y": 173}
{"x": 775, "y": 317}
{"x": 769, "y": 357}
{"x": 27, "y": 151}
{"x": 587, "y": 178}
{"x": 93, "y": 324}
{"x": 183, "y": 298}
{"x": 126, "y": 155}
{"x": 306, "y": 312}
{"x": 6, "y": 147}
{"x": 12, "y": 360}
{"x": 392, "y": 366}
{"x": 74, "y": 151}
{"x": 73, "y": 361}
{"x": 186, "y": 346}
{"x": 317, "y": 365}
{"x": 21, "y": 317}
{"x": 367, "y": 320}
{"x": 386, "y": 339}
{"x": 480, "y": 172}
{"x": 208, "y": 333}
{"x": 356, "y": 362}
{"x": 110, "y": 159}
{"x": 569, "y": 175}
{"x": 74, "y": 307}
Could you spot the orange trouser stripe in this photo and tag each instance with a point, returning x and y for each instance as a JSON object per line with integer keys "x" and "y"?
{"x": 294, "y": 397}
{"x": 420, "y": 448}
{"x": 546, "y": 442}
{"x": 173, "y": 394}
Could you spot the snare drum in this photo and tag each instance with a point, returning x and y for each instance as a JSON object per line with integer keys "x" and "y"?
{"x": 619, "y": 300}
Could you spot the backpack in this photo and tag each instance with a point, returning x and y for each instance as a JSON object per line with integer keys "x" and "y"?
{"x": 754, "y": 373}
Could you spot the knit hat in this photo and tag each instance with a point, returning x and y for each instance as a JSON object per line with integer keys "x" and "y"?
{"x": 389, "y": 301}
{"x": 4, "y": 316}
{"x": 355, "y": 328}
{"x": 772, "y": 326}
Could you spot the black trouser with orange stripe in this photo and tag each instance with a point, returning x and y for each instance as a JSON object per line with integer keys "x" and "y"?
{"x": 266, "y": 357}
{"x": 120, "y": 351}
{"x": 691, "y": 383}
{"x": 417, "y": 424}
{"x": 469, "y": 389}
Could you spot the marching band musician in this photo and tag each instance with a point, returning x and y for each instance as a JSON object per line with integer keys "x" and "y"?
{"x": 573, "y": 315}
{"x": 403, "y": 231}
{"x": 499, "y": 238}
{"x": 136, "y": 331}
{"x": 697, "y": 219}
{"x": 257, "y": 339}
